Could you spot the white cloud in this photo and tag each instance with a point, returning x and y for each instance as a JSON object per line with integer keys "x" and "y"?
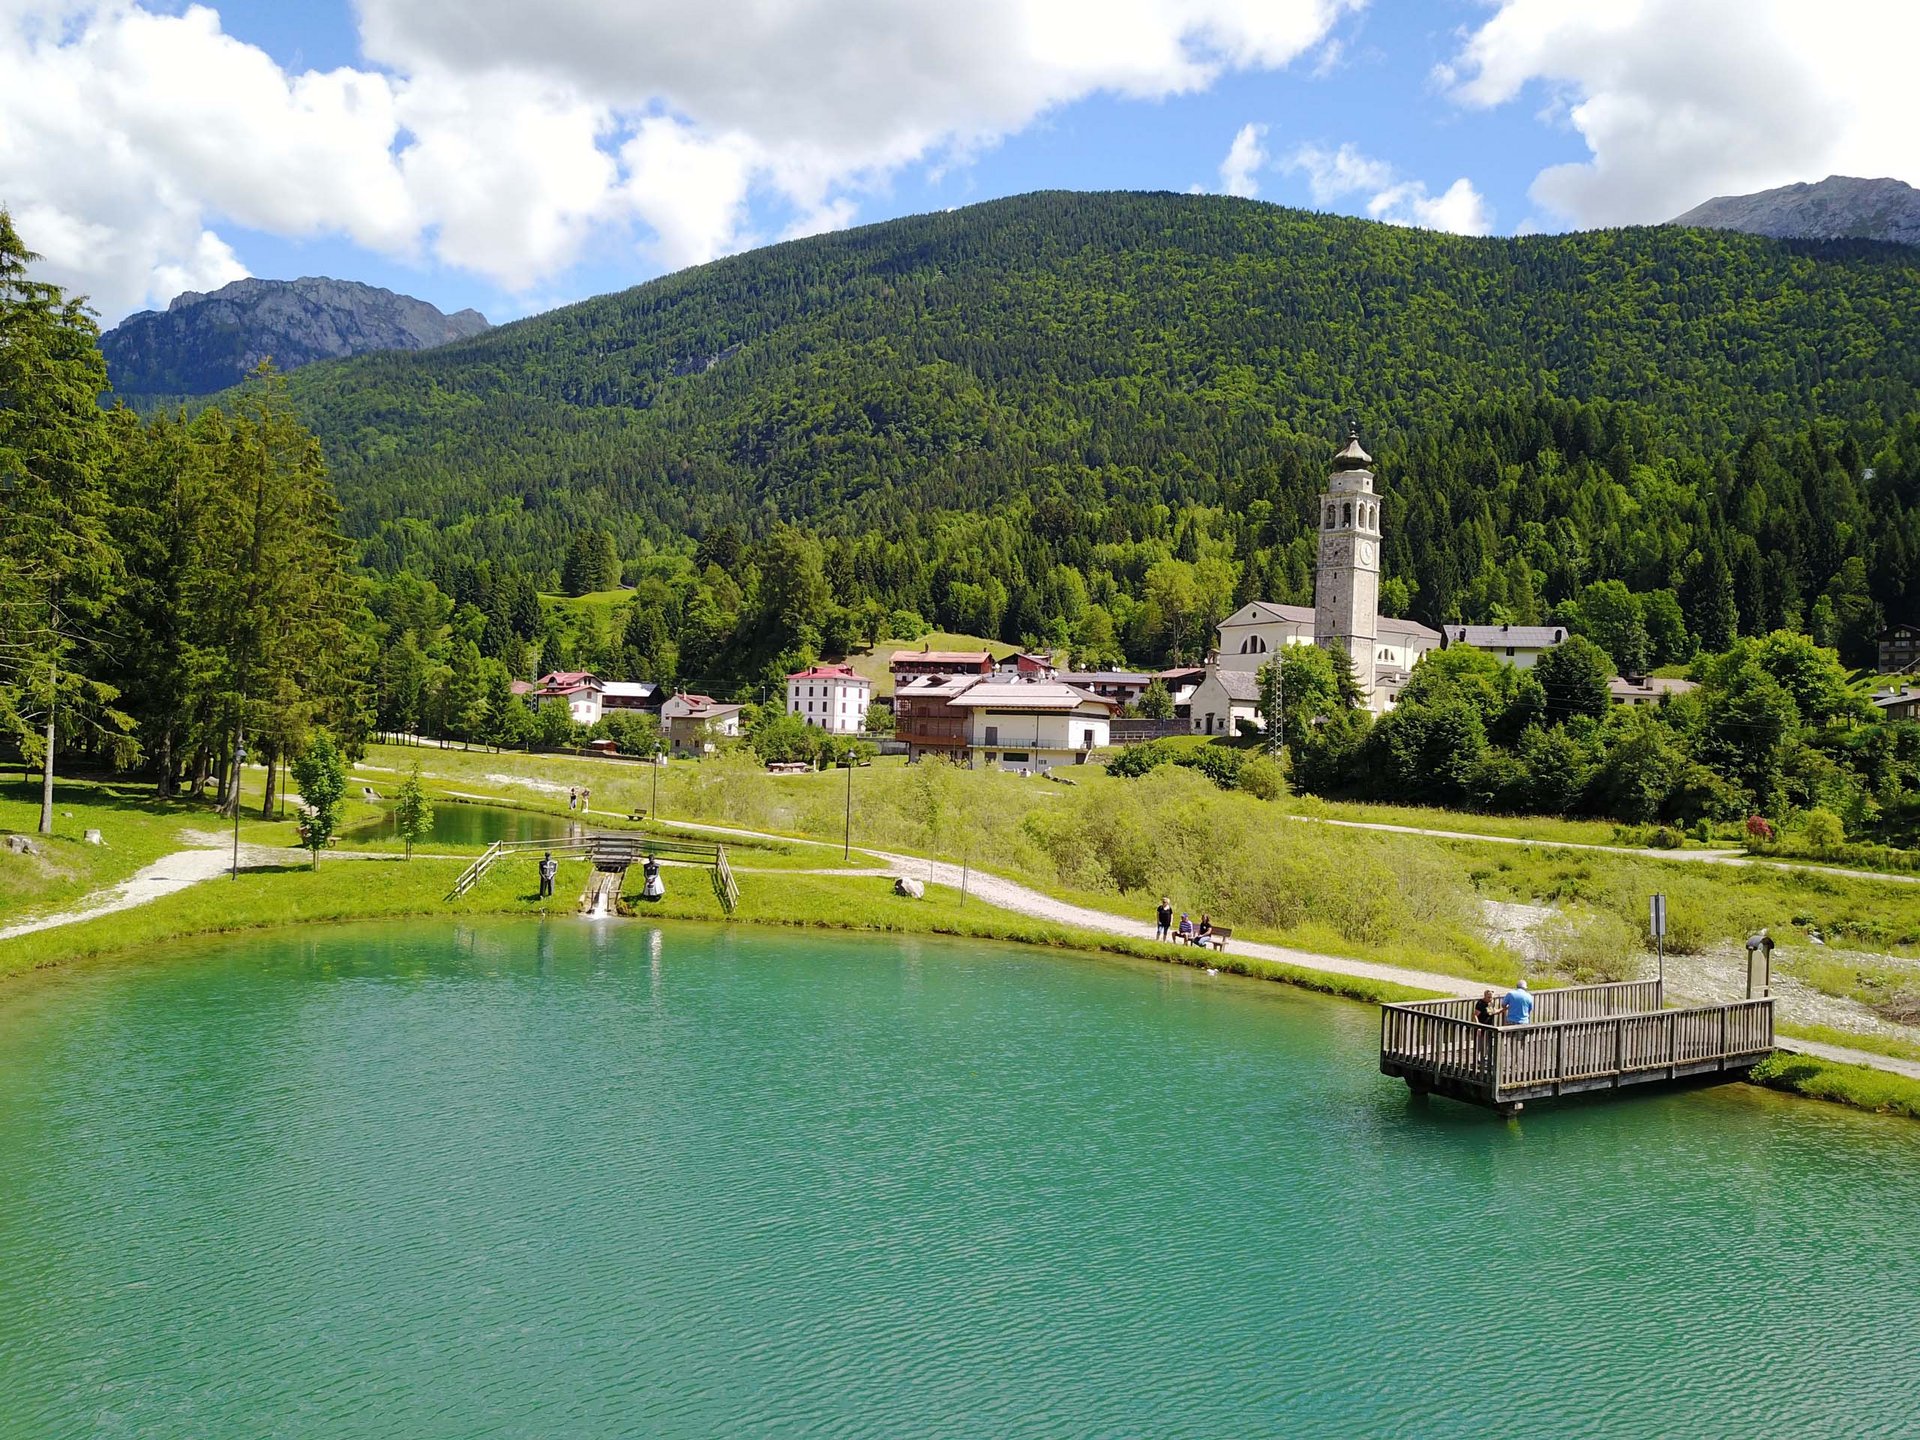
{"x": 1459, "y": 208}
{"x": 1246, "y": 157}
{"x": 1333, "y": 175}
{"x": 1681, "y": 100}
{"x": 504, "y": 137}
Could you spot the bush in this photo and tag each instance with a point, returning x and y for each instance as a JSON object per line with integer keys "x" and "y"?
{"x": 1824, "y": 832}
{"x": 1664, "y": 837}
{"x": 1262, "y": 778}
{"x": 1219, "y": 765}
{"x": 1136, "y": 760}
{"x": 1703, "y": 831}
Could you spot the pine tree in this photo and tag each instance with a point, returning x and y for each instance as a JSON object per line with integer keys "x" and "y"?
{"x": 59, "y": 570}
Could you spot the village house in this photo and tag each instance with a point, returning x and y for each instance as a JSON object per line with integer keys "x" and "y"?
{"x": 925, "y": 719}
{"x": 1032, "y": 725}
{"x": 695, "y": 722}
{"x": 1521, "y": 646}
{"x": 1123, "y": 687}
{"x": 833, "y": 698}
{"x": 632, "y": 695}
{"x": 1646, "y": 689}
{"x": 1900, "y": 704}
{"x": 1899, "y": 647}
{"x": 1022, "y": 666}
{"x": 1224, "y": 698}
{"x": 906, "y": 663}
{"x": 579, "y": 690}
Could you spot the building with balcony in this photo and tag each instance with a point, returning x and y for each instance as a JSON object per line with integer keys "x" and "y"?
{"x": 924, "y": 717}
{"x": 1032, "y": 725}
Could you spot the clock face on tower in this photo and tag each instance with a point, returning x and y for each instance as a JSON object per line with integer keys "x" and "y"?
{"x": 1366, "y": 552}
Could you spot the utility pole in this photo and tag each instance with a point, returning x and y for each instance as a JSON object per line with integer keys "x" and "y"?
{"x": 846, "y": 839}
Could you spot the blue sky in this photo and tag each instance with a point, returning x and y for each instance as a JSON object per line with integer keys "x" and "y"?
{"x": 510, "y": 157}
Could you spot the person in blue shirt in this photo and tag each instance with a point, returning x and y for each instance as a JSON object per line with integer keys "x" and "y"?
{"x": 1519, "y": 1005}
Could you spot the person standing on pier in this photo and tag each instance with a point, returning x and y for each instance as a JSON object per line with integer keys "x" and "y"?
{"x": 1486, "y": 1010}
{"x": 1519, "y": 1004}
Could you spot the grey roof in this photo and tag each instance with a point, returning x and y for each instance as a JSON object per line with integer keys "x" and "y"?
{"x": 1393, "y": 625}
{"x": 1493, "y": 637}
{"x": 1353, "y": 457}
{"x": 1650, "y": 687}
{"x": 1266, "y": 610}
{"x": 1239, "y": 684}
{"x": 1107, "y": 677}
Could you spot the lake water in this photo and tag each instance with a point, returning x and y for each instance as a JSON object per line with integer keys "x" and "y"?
{"x": 464, "y": 824}
{"x": 565, "y": 1179}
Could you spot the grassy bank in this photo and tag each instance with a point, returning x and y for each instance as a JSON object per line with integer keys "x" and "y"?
{"x": 342, "y": 890}
{"x": 1830, "y": 1080}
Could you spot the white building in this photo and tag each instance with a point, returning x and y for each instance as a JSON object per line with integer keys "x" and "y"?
{"x": 695, "y": 722}
{"x": 579, "y": 690}
{"x": 1223, "y": 698}
{"x": 1521, "y": 646}
{"x": 1032, "y": 724}
{"x": 1346, "y": 607}
{"x": 832, "y": 697}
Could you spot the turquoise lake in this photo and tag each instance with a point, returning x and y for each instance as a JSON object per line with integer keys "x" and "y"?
{"x": 572, "y": 1179}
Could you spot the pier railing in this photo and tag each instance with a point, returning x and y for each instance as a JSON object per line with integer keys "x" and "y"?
{"x": 1591, "y": 1037}
{"x": 615, "y": 852}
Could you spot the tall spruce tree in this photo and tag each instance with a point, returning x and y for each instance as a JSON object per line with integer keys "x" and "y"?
{"x": 59, "y": 570}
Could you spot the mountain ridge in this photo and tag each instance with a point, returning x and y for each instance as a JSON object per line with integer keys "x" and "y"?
{"x": 205, "y": 341}
{"x": 1840, "y": 207}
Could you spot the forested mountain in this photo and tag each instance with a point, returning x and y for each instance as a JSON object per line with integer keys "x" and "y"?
{"x": 1005, "y": 417}
{"x": 1840, "y": 207}
{"x": 205, "y": 342}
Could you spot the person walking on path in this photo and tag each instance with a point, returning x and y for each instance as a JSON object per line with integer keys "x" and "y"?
{"x": 1519, "y": 1005}
{"x": 573, "y": 800}
{"x": 549, "y": 867}
{"x": 1163, "y": 919}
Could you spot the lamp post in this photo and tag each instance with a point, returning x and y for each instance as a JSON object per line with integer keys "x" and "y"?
{"x": 846, "y": 839}
{"x": 239, "y": 759}
{"x": 655, "y": 811}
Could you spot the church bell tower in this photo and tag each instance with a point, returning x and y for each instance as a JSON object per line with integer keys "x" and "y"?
{"x": 1346, "y": 592}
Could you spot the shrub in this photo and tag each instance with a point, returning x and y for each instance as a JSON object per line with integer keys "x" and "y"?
{"x": 1136, "y": 760}
{"x": 1219, "y": 765}
{"x": 1703, "y": 831}
{"x": 1262, "y": 777}
{"x": 1664, "y": 838}
{"x": 1759, "y": 829}
{"x": 1824, "y": 832}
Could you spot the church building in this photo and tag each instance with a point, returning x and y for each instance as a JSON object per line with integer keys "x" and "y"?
{"x": 1346, "y": 596}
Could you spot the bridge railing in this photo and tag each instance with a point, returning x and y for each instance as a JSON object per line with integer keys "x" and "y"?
{"x": 1501, "y": 1059}
{"x": 1566, "y": 1002}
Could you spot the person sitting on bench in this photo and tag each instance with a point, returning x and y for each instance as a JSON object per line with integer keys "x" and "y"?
{"x": 1183, "y": 932}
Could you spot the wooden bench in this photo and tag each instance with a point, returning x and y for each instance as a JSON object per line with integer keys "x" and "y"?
{"x": 1219, "y": 936}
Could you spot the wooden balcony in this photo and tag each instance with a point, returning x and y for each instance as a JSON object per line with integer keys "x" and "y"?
{"x": 1583, "y": 1037}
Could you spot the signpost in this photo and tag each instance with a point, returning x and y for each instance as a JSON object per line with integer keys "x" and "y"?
{"x": 1660, "y": 939}
{"x": 1759, "y": 964}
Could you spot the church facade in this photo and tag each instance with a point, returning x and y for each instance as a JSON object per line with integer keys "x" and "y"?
{"x": 1346, "y": 595}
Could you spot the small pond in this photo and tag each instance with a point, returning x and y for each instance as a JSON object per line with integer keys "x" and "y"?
{"x": 455, "y": 823}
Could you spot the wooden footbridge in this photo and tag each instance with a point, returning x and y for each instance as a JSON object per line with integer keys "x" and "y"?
{"x": 613, "y": 853}
{"x": 1582, "y": 1037}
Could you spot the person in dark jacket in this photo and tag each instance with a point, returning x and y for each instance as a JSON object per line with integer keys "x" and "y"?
{"x": 1163, "y": 919}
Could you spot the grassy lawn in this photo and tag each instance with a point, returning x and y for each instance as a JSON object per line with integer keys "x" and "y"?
{"x": 1874, "y": 1044}
{"x": 1548, "y": 829}
{"x": 1854, "y": 1085}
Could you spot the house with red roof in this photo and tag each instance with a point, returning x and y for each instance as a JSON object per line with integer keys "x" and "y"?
{"x": 833, "y": 698}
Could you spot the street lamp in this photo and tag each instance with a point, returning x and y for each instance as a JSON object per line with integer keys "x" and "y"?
{"x": 846, "y": 839}
{"x": 239, "y": 759}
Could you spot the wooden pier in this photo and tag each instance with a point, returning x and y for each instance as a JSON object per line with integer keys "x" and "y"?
{"x": 1582, "y": 1037}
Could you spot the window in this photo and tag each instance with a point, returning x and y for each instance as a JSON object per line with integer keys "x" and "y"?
{"x": 1346, "y": 513}
{"x": 1329, "y": 517}
{"x": 993, "y": 734}
{"x": 1086, "y": 739}
{"x": 1016, "y": 757}
{"x": 1510, "y": 651}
